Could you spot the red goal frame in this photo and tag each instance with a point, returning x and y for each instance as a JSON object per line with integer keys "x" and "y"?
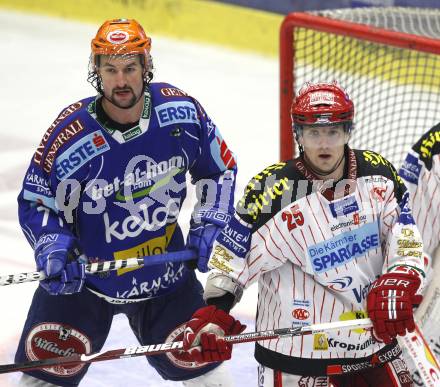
{"x": 337, "y": 27}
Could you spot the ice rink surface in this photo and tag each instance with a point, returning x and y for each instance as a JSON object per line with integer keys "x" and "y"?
{"x": 43, "y": 69}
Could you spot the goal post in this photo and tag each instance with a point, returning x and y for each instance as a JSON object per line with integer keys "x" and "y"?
{"x": 388, "y": 60}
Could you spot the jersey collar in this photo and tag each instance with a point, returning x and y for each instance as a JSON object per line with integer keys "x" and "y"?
{"x": 327, "y": 188}
{"x": 136, "y": 130}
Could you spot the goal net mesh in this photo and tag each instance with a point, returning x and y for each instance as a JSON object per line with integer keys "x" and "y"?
{"x": 396, "y": 91}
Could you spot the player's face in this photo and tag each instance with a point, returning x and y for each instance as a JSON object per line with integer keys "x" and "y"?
{"x": 323, "y": 146}
{"x": 122, "y": 79}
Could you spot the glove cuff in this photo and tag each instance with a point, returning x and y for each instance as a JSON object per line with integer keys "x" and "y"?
{"x": 410, "y": 272}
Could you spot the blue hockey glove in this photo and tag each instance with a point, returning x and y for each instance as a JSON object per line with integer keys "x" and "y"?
{"x": 52, "y": 254}
{"x": 203, "y": 234}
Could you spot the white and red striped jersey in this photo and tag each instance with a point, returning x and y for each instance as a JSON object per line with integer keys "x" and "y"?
{"x": 315, "y": 248}
{"x": 421, "y": 172}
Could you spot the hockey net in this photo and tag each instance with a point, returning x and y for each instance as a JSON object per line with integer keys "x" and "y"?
{"x": 388, "y": 60}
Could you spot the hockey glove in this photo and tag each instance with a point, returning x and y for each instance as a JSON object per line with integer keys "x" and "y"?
{"x": 203, "y": 234}
{"x": 51, "y": 255}
{"x": 203, "y": 335}
{"x": 390, "y": 303}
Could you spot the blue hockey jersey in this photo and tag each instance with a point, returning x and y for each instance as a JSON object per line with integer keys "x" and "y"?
{"x": 120, "y": 193}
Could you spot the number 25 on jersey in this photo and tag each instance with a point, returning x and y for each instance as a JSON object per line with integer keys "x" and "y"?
{"x": 293, "y": 217}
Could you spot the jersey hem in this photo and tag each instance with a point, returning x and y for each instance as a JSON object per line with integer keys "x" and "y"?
{"x": 320, "y": 367}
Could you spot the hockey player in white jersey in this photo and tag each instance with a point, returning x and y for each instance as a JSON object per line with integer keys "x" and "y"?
{"x": 329, "y": 236}
{"x": 421, "y": 173}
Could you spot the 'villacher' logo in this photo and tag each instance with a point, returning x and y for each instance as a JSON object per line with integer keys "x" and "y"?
{"x": 47, "y": 340}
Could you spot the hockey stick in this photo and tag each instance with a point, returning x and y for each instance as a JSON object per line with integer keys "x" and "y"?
{"x": 156, "y": 349}
{"x": 98, "y": 267}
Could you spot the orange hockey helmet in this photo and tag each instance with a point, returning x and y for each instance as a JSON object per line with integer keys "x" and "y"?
{"x": 322, "y": 104}
{"x": 121, "y": 37}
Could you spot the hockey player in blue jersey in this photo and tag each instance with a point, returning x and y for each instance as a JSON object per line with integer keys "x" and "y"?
{"x": 107, "y": 182}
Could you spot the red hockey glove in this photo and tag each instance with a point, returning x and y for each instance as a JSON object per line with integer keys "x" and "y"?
{"x": 203, "y": 335}
{"x": 390, "y": 303}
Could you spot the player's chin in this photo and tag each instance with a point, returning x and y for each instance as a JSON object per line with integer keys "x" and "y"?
{"x": 326, "y": 162}
{"x": 124, "y": 103}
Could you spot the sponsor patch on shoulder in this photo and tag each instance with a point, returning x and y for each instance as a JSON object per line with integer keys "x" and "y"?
{"x": 176, "y": 113}
{"x": 172, "y": 92}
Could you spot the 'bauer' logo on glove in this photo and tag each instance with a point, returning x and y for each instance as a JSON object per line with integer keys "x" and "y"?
{"x": 390, "y": 304}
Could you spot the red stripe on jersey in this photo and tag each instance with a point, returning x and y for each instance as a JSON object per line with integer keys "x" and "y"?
{"x": 299, "y": 244}
{"x": 311, "y": 233}
{"x": 316, "y": 220}
{"x": 251, "y": 278}
{"x": 333, "y": 309}
{"x": 304, "y": 293}
{"x": 322, "y": 208}
{"x": 371, "y": 204}
{"x": 247, "y": 267}
{"x": 305, "y": 242}
{"x": 314, "y": 303}
{"x": 265, "y": 308}
{"x": 255, "y": 260}
{"x": 225, "y": 154}
{"x": 322, "y": 307}
{"x": 427, "y": 211}
{"x": 265, "y": 245}
{"x": 277, "y": 378}
{"x": 390, "y": 212}
{"x": 273, "y": 240}
{"x": 277, "y": 306}
{"x": 293, "y": 297}
{"x": 288, "y": 244}
{"x": 421, "y": 190}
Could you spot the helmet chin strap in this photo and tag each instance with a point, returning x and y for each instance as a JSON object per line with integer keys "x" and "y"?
{"x": 320, "y": 172}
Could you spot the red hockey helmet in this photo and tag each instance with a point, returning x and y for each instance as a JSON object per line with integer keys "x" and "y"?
{"x": 322, "y": 104}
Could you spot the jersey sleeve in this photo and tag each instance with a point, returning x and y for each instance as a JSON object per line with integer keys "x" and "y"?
{"x": 44, "y": 203}
{"x": 400, "y": 236}
{"x": 214, "y": 171}
{"x": 250, "y": 245}
{"x": 421, "y": 173}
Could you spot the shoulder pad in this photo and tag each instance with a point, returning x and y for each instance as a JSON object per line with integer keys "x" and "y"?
{"x": 167, "y": 90}
{"x": 67, "y": 121}
{"x": 372, "y": 163}
{"x": 428, "y": 146}
{"x": 267, "y": 191}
